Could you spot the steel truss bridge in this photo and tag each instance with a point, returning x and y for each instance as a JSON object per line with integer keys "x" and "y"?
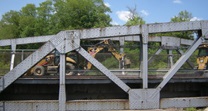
{"x": 138, "y": 91}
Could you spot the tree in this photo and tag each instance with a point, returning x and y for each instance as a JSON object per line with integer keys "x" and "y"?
{"x": 182, "y": 17}
{"x": 44, "y": 21}
{"x": 134, "y": 18}
{"x": 77, "y": 14}
{"x": 9, "y": 25}
{"x": 53, "y": 16}
{"x": 27, "y": 20}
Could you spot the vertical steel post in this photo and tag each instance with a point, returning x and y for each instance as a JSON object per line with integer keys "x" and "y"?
{"x": 122, "y": 62}
{"x": 62, "y": 88}
{"x": 145, "y": 56}
{"x": 141, "y": 57}
{"x": 170, "y": 58}
{"x": 22, "y": 55}
{"x": 204, "y": 29}
{"x": 13, "y": 55}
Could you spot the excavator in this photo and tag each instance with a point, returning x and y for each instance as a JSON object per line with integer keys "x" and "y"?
{"x": 110, "y": 46}
{"x": 50, "y": 64}
{"x": 202, "y": 58}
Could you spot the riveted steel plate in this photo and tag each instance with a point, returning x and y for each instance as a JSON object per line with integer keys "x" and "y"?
{"x": 143, "y": 99}
{"x": 184, "y": 102}
{"x": 170, "y": 41}
{"x": 172, "y": 27}
{"x": 109, "y": 32}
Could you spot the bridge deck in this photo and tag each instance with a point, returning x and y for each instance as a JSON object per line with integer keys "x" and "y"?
{"x": 180, "y": 78}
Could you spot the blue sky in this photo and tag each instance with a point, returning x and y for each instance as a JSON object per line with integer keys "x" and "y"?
{"x": 151, "y": 10}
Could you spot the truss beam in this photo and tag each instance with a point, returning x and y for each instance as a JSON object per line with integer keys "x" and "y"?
{"x": 66, "y": 41}
{"x": 179, "y": 63}
{"x": 130, "y": 32}
{"x": 27, "y": 40}
{"x": 24, "y": 66}
{"x": 62, "y": 85}
{"x": 104, "y": 70}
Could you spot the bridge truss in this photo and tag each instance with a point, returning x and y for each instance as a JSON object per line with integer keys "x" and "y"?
{"x": 144, "y": 98}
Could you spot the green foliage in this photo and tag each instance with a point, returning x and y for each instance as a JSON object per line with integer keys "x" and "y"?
{"x": 133, "y": 55}
{"x": 182, "y": 17}
{"x": 190, "y": 109}
{"x": 78, "y": 14}
{"x": 9, "y": 25}
{"x": 4, "y": 63}
{"x": 53, "y": 16}
{"x": 45, "y": 20}
{"x": 110, "y": 63}
{"x": 134, "y": 18}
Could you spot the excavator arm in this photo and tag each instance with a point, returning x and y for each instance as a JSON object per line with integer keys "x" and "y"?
{"x": 100, "y": 46}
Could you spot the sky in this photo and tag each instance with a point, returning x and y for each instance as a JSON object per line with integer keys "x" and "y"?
{"x": 151, "y": 11}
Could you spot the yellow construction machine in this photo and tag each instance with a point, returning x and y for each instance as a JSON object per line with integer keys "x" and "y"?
{"x": 110, "y": 46}
{"x": 50, "y": 64}
{"x": 202, "y": 58}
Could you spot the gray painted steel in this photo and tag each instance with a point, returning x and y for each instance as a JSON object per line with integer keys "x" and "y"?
{"x": 30, "y": 106}
{"x": 21, "y": 68}
{"x": 104, "y": 70}
{"x": 2, "y": 107}
{"x": 66, "y": 41}
{"x": 173, "y": 27}
{"x": 153, "y": 39}
{"x": 42, "y": 39}
{"x": 204, "y": 28}
{"x": 76, "y": 105}
{"x": 144, "y": 68}
{"x": 118, "y": 31}
{"x": 170, "y": 58}
{"x": 179, "y": 63}
{"x": 184, "y": 102}
{"x": 27, "y": 40}
{"x": 95, "y": 105}
{"x": 13, "y": 55}
{"x": 62, "y": 86}
{"x": 92, "y": 105}
{"x": 189, "y": 62}
{"x": 156, "y": 53}
{"x": 143, "y": 99}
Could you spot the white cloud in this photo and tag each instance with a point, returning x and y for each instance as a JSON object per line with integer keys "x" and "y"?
{"x": 123, "y": 15}
{"x": 144, "y": 12}
{"x": 107, "y": 4}
{"x": 195, "y": 19}
{"x": 177, "y": 1}
{"x": 114, "y": 23}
